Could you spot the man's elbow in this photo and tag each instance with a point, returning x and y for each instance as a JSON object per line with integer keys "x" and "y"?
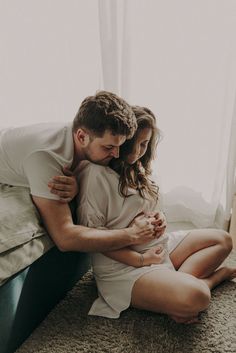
{"x": 67, "y": 241}
{"x": 63, "y": 246}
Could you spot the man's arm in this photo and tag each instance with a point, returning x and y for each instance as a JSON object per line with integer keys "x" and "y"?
{"x": 70, "y": 237}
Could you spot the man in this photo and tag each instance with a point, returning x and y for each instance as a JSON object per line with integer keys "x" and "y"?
{"x": 31, "y": 155}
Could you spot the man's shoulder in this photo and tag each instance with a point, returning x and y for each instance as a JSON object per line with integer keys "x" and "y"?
{"x": 35, "y": 133}
{"x": 35, "y": 126}
{"x": 50, "y": 128}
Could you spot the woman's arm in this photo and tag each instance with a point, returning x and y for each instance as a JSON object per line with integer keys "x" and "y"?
{"x": 127, "y": 256}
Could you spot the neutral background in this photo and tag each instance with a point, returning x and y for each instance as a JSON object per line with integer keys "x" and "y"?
{"x": 176, "y": 57}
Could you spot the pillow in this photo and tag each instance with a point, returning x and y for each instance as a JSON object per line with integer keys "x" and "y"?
{"x": 19, "y": 219}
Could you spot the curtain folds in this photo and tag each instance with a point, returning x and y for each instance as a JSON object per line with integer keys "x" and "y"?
{"x": 178, "y": 58}
{"x": 108, "y": 20}
{"x": 231, "y": 167}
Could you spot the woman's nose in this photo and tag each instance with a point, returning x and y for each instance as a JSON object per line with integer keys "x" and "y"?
{"x": 137, "y": 151}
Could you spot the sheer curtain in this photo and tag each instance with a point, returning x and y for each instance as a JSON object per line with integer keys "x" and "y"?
{"x": 178, "y": 58}
{"x": 50, "y": 59}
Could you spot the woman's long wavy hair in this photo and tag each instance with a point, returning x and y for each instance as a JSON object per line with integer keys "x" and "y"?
{"x": 137, "y": 175}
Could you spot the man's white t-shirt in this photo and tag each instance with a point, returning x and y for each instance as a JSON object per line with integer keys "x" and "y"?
{"x": 31, "y": 155}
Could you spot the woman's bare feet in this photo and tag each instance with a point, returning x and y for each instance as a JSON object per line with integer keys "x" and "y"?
{"x": 219, "y": 276}
{"x": 231, "y": 273}
{"x": 185, "y": 320}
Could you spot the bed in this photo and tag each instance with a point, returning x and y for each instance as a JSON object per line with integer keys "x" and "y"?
{"x": 34, "y": 274}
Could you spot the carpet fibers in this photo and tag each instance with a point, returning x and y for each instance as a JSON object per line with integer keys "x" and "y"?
{"x": 69, "y": 329}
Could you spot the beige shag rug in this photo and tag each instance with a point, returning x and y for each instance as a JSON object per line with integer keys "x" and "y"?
{"x": 69, "y": 329}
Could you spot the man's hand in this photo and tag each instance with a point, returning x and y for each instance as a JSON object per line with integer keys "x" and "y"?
{"x": 65, "y": 186}
{"x": 154, "y": 255}
{"x": 141, "y": 230}
{"x": 159, "y": 223}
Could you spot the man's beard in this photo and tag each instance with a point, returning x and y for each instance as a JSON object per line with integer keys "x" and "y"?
{"x": 104, "y": 161}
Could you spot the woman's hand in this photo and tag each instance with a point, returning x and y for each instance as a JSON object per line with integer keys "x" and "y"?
{"x": 155, "y": 255}
{"x": 159, "y": 222}
{"x": 65, "y": 186}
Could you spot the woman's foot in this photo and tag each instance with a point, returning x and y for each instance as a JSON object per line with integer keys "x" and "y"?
{"x": 228, "y": 273}
{"x": 222, "y": 274}
{"x": 185, "y": 320}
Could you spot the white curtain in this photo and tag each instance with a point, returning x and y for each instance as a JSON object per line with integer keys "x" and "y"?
{"x": 178, "y": 58}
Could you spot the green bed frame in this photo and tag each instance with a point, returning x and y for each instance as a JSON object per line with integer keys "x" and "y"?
{"x": 27, "y": 297}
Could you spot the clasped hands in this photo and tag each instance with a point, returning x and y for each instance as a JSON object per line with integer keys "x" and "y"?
{"x": 156, "y": 223}
{"x": 155, "y": 220}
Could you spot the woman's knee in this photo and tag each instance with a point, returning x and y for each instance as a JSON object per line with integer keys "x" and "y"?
{"x": 225, "y": 240}
{"x": 197, "y": 297}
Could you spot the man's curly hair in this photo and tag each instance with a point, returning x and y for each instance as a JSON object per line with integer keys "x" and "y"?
{"x": 106, "y": 111}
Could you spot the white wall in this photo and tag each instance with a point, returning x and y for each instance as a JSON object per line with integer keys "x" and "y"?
{"x": 49, "y": 58}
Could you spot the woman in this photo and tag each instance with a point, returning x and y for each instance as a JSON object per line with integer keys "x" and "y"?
{"x": 173, "y": 274}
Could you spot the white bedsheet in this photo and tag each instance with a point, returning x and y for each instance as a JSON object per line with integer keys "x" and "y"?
{"x": 15, "y": 260}
{"x": 23, "y": 238}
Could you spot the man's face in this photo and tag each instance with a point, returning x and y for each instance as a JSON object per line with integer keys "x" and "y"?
{"x": 101, "y": 150}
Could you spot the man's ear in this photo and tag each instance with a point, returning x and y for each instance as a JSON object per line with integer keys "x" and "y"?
{"x": 82, "y": 137}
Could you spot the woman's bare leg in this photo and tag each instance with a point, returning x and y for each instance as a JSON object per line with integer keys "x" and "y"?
{"x": 217, "y": 277}
{"x": 180, "y": 295}
{"x": 220, "y": 275}
{"x": 202, "y": 252}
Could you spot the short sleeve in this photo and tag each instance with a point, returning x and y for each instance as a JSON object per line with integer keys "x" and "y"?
{"x": 39, "y": 168}
{"x": 92, "y": 200}
{"x": 90, "y": 217}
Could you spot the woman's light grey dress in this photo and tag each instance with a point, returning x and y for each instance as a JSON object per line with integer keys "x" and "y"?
{"x": 101, "y": 206}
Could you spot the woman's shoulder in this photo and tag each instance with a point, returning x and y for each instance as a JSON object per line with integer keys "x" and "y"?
{"x": 94, "y": 180}
{"x": 88, "y": 170}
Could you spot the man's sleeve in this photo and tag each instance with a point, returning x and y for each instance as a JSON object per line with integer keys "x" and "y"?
{"x": 39, "y": 168}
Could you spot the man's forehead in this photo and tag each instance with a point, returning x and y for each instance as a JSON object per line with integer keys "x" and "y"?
{"x": 109, "y": 139}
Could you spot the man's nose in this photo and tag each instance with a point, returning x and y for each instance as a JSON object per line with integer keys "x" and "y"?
{"x": 115, "y": 152}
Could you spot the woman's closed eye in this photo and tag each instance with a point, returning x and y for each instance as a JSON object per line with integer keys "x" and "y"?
{"x": 144, "y": 145}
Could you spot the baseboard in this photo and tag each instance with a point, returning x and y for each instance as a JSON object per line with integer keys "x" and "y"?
{"x": 232, "y": 229}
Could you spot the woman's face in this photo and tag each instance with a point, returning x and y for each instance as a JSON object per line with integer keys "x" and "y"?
{"x": 140, "y": 145}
